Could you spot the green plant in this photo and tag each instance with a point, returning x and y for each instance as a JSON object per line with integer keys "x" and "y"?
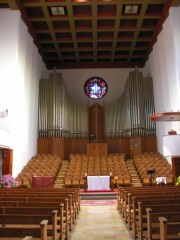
{"x": 178, "y": 181}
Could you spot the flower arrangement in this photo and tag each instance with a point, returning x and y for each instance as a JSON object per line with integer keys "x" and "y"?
{"x": 7, "y": 181}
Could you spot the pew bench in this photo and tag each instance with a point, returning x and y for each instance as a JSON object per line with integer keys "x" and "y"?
{"x": 169, "y": 229}
{"x": 151, "y": 200}
{"x": 24, "y": 238}
{"x": 73, "y": 198}
{"x": 40, "y": 211}
{"x": 69, "y": 212}
{"x": 45, "y": 192}
{"x": 141, "y": 223}
{"x": 126, "y": 205}
{"x": 153, "y": 222}
{"x": 22, "y": 231}
{"x": 42, "y": 207}
{"x": 138, "y": 191}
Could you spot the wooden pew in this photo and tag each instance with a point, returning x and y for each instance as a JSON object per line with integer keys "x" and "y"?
{"x": 20, "y": 197}
{"x": 169, "y": 229}
{"x": 141, "y": 222}
{"x": 153, "y": 223}
{"x": 129, "y": 212}
{"x": 74, "y": 192}
{"x": 39, "y": 206}
{"x": 40, "y": 211}
{"x": 138, "y": 191}
{"x": 14, "y": 232}
{"x": 150, "y": 199}
{"x": 68, "y": 211}
{"x": 47, "y": 192}
{"x": 125, "y": 202}
{"x": 28, "y": 238}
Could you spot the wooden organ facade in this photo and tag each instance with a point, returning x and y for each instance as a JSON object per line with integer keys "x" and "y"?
{"x": 82, "y": 146}
{"x": 100, "y": 145}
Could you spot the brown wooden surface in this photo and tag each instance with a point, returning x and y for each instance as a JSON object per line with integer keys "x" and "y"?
{"x": 119, "y": 145}
{"x": 176, "y": 168}
{"x": 97, "y": 149}
{"x": 75, "y": 145}
{"x": 135, "y": 146}
{"x": 96, "y": 121}
{"x": 139, "y": 198}
{"x": 56, "y": 145}
{"x": 7, "y": 161}
{"x": 166, "y": 116}
{"x": 43, "y": 145}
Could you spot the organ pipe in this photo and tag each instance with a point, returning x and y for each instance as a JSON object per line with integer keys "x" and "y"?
{"x": 132, "y": 109}
{"x": 57, "y": 110}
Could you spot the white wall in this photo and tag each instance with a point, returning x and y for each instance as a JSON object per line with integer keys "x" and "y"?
{"x": 21, "y": 68}
{"x": 164, "y": 67}
{"x": 20, "y": 71}
{"x": 75, "y": 78}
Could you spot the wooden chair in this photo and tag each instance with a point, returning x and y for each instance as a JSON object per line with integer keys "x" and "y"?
{"x": 68, "y": 181}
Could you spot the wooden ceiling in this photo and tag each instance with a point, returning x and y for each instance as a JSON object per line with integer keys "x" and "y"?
{"x": 93, "y": 33}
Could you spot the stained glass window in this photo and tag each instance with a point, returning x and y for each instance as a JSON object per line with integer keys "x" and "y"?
{"x": 95, "y": 88}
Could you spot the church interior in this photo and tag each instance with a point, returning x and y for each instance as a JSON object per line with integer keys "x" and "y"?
{"x": 89, "y": 120}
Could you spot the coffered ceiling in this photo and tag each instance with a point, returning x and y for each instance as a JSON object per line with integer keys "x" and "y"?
{"x": 93, "y": 33}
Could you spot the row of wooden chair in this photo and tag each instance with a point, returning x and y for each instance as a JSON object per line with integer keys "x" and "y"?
{"x": 145, "y": 162}
{"x": 81, "y": 182}
{"x": 39, "y": 165}
{"x": 79, "y": 155}
{"x": 99, "y": 164}
{"x": 81, "y": 166}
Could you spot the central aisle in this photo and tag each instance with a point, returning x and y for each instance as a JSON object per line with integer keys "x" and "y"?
{"x": 100, "y": 223}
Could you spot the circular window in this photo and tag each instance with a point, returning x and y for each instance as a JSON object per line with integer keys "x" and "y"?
{"x": 95, "y": 88}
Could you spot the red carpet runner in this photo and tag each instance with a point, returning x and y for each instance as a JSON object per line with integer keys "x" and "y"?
{"x": 106, "y": 202}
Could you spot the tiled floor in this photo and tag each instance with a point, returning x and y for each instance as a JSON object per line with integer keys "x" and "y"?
{"x": 100, "y": 223}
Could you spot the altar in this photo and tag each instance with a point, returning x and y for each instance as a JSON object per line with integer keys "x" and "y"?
{"x": 98, "y": 182}
{"x": 42, "y": 182}
{"x": 160, "y": 180}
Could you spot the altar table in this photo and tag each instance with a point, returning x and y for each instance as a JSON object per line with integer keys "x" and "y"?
{"x": 161, "y": 180}
{"x": 42, "y": 181}
{"x": 98, "y": 182}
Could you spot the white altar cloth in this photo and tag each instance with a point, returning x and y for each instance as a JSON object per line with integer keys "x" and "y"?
{"x": 98, "y": 182}
{"x": 161, "y": 180}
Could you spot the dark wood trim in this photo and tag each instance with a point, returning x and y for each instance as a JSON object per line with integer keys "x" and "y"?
{"x": 166, "y": 116}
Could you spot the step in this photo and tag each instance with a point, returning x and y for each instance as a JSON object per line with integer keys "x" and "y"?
{"x": 58, "y": 186}
{"x": 59, "y": 182}
{"x": 62, "y": 179}
{"x": 97, "y": 196}
{"x": 135, "y": 181}
{"x": 133, "y": 174}
{"x": 131, "y": 168}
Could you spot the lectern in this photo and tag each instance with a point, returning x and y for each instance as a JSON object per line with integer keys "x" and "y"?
{"x": 151, "y": 172}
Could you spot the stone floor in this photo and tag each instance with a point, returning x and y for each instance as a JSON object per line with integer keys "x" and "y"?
{"x": 100, "y": 223}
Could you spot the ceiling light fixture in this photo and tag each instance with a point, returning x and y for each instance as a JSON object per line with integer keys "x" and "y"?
{"x": 57, "y": 11}
{"x": 131, "y": 9}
